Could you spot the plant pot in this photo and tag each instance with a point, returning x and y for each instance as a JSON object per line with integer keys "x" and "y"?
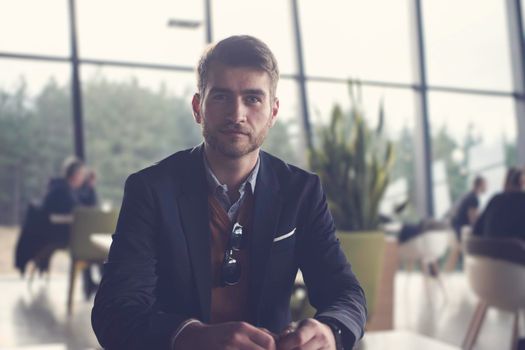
{"x": 373, "y": 259}
{"x": 365, "y": 252}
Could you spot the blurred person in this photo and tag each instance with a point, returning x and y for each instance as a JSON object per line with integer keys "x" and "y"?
{"x": 466, "y": 211}
{"x": 46, "y": 227}
{"x": 62, "y": 198}
{"x": 514, "y": 180}
{"x": 504, "y": 215}
{"x": 209, "y": 240}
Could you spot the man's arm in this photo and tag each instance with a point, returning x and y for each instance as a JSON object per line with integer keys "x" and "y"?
{"x": 473, "y": 214}
{"x": 332, "y": 286}
{"x": 123, "y": 316}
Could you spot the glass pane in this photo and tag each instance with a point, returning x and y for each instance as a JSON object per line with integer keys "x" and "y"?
{"x": 133, "y": 119}
{"x": 399, "y": 121}
{"x": 269, "y": 21}
{"x": 359, "y": 39}
{"x": 35, "y": 132}
{"x": 471, "y": 135}
{"x": 34, "y": 26}
{"x": 467, "y": 43}
{"x": 139, "y": 31}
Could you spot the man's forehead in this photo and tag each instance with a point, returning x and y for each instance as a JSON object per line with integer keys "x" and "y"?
{"x": 220, "y": 74}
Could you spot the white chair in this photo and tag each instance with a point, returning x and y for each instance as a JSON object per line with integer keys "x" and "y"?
{"x": 426, "y": 248}
{"x": 495, "y": 269}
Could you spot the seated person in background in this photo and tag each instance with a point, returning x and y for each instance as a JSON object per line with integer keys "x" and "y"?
{"x": 61, "y": 199}
{"x": 46, "y": 225}
{"x": 514, "y": 180}
{"x": 466, "y": 211}
{"x": 75, "y": 187}
{"x": 504, "y": 216}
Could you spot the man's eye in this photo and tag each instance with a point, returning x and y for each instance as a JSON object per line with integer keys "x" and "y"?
{"x": 219, "y": 97}
{"x": 253, "y": 99}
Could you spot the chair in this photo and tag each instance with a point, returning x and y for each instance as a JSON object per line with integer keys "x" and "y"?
{"x": 426, "y": 249}
{"x": 495, "y": 269}
{"x": 87, "y": 221}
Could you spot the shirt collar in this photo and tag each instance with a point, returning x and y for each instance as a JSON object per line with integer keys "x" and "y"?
{"x": 214, "y": 183}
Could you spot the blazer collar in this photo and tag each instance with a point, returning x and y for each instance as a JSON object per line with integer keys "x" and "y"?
{"x": 267, "y": 209}
{"x": 193, "y": 204}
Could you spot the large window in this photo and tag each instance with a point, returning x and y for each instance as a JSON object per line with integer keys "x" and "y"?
{"x": 360, "y": 39}
{"x": 34, "y": 26}
{"x": 139, "y": 31}
{"x": 472, "y": 135}
{"x": 35, "y": 131}
{"x": 136, "y": 116}
{"x": 467, "y": 44}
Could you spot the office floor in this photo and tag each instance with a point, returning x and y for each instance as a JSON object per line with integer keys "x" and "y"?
{"x": 34, "y": 317}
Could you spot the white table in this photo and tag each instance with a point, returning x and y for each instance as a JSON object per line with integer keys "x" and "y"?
{"x": 101, "y": 240}
{"x": 394, "y": 340}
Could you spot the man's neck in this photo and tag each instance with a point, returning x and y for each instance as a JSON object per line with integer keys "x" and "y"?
{"x": 230, "y": 171}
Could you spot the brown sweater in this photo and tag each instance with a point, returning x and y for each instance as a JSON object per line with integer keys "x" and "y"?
{"x": 229, "y": 303}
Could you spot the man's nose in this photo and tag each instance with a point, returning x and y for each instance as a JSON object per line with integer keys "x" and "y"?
{"x": 238, "y": 111}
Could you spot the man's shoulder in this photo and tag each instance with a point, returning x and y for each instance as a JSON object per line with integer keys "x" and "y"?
{"x": 508, "y": 199}
{"x": 467, "y": 199}
{"x": 289, "y": 175}
{"x": 167, "y": 168}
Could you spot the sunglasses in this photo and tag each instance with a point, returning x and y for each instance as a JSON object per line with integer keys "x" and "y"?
{"x": 231, "y": 268}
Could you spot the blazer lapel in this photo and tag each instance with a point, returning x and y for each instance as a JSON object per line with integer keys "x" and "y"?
{"x": 193, "y": 203}
{"x": 267, "y": 208}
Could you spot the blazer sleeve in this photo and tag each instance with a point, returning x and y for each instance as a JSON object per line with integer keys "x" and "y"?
{"x": 332, "y": 287}
{"x": 124, "y": 315}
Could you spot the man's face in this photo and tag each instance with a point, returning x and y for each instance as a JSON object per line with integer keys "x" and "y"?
{"x": 483, "y": 187}
{"x": 77, "y": 179}
{"x": 237, "y": 109}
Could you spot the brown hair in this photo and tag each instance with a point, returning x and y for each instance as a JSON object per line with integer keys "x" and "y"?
{"x": 478, "y": 181}
{"x": 239, "y": 51}
{"x": 513, "y": 180}
{"x": 70, "y": 166}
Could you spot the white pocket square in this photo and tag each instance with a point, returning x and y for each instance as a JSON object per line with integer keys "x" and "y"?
{"x": 286, "y": 235}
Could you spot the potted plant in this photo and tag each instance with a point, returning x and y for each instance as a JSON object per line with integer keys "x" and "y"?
{"x": 354, "y": 162}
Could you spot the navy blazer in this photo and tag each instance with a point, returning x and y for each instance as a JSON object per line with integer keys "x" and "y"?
{"x": 158, "y": 272}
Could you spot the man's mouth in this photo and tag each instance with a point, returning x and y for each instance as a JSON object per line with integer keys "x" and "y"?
{"x": 233, "y": 132}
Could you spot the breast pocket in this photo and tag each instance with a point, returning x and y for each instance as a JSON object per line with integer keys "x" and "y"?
{"x": 284, "y": 241}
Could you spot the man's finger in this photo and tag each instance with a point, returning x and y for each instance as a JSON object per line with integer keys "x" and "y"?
{"x": 289, "y": 329}
{"x": 274, "y": 336}
{"x": 301, "y": 336}
{"x": 260, "y": 337}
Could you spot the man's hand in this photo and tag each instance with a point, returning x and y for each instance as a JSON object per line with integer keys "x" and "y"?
{"x": 230, "y": 335}
{"x": 309, "y": 334}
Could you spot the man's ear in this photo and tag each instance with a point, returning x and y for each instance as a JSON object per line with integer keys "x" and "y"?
{"x": 196, "y": 106}
{"x": 275, "y": 111}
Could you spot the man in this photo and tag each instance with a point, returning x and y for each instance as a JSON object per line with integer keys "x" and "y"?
{"x": 209, "y": 240}
{"x": 503, "y": 216}
{"x": 467, "y": 209}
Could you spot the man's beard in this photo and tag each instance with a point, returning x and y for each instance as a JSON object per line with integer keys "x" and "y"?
{"x": 230, "y": 148}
